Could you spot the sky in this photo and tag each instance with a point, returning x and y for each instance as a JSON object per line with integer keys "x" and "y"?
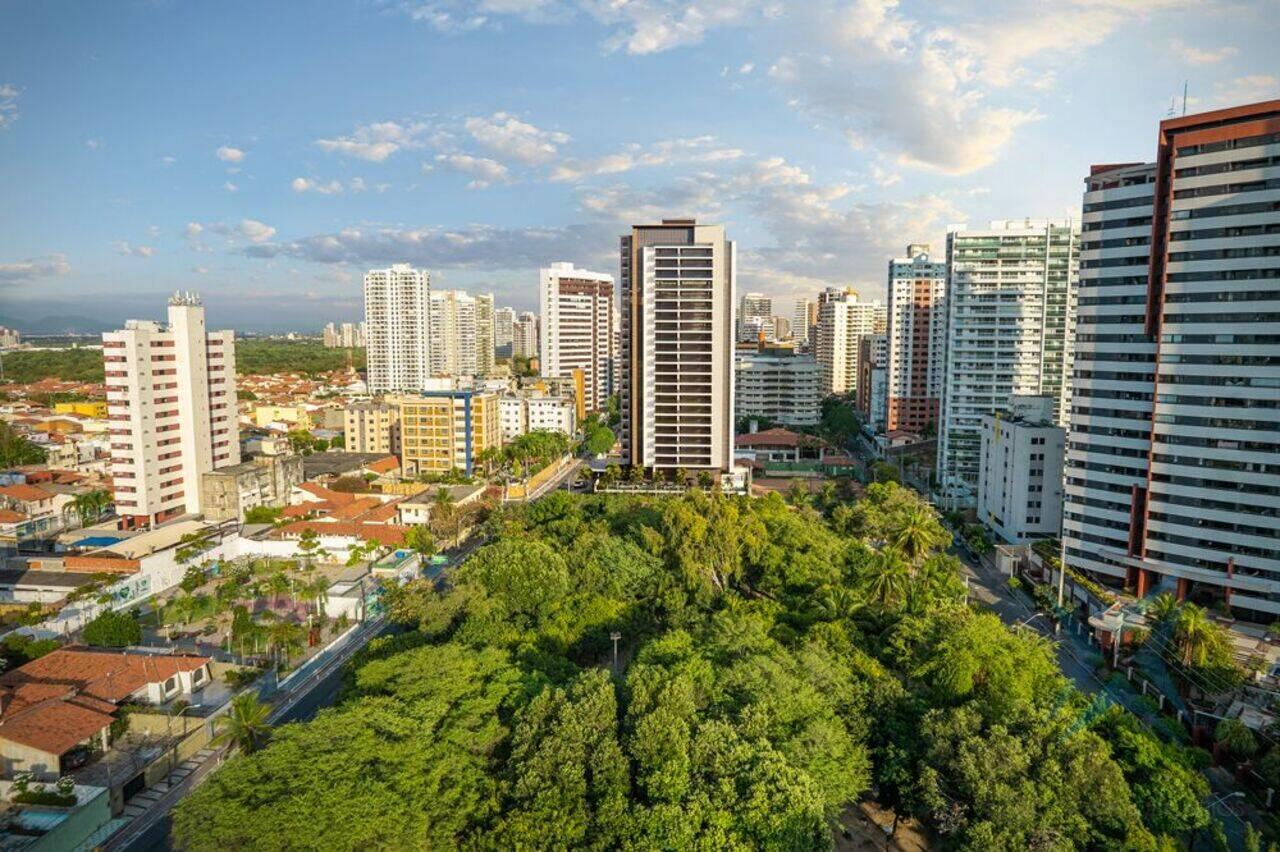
{"x": 266, "y": 154}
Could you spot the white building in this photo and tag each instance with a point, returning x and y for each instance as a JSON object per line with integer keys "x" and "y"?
{"x": 1173, "y": 461}
{"x": 530, "y": 413}
{"x": 779, "y": 386}
{"x": 842, "y": 321}
{"x": 804, "y": 320}
{"x": 755, "y": 315}
{"x": 917, "y": 335}
{"x": 1010, "y": 327}
{"x": 456, "y": 335}
{"x": 524, "y": 336}
{"x": 171, "y": 397}
{"x": 485, "y": 327}
{"x": 678, "y": 304}
{"x": 10, "y": 338}
{"x": 397, "y": 321}
{"x": 504, "y": 320}
{"x": 576, "y": 306}
{"x": 1020, "y": 470}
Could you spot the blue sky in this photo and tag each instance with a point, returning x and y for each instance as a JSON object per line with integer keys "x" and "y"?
{"x": 265, "y": 154}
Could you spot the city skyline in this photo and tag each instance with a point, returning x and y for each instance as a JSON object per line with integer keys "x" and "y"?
{"x": 273, "y": 184}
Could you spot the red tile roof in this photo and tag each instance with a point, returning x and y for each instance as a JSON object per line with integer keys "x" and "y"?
{"x": 25, "y": 493}
{"x": 106, "y": 675}
{"x": 391, "y": 535}
{"x": 8, "y": 516}
{"x": 54, "y": 726}
{"x": 768, "y": 438}
{"x": 385, "y": 465}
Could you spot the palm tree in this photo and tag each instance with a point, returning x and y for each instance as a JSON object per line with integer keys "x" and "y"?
{"x": 318, "y": 591}
{"x": 1196, "y": 636}
{"x": 1163, "y": 608}
{"x": 840, "y": 602}
{"x": 444, "y": 512}
{"x": 245, "y": 725}
{"x": 915, "y": 532}
{"x": 887, "y": 578}
{"x": 827, "y": 496}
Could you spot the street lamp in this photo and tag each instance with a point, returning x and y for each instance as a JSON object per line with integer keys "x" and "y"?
{"x": 173, "y": 751}
{"x": 615, "y": 636}
{"x": 1235, "y": 795}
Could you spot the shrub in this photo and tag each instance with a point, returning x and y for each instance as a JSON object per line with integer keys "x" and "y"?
{"x": 1236, "y": 738}
{"x": 43, "y": 796}
{"x": 113, "y": 629}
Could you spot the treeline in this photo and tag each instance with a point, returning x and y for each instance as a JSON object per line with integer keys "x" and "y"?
{"x": 774, "y": 664}
{"x": 253, "y": 357}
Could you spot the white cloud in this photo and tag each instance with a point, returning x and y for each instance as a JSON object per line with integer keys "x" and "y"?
{"x": 255, "y": 231}
{"x": 22, "y": 271}
{"x": 125, "y": 248}
{"x": 230, "y": 187}
{"x": 193, "y": 230}
{"x": 8, "y": 104}
{"x": 484, "y": 171}
{"x": 699, "y": 149}
{"x": 200, "y": 270}
{"x": 230, "y": 155}
{"x": 747, "y": 68}
{"x": 375, "y": 142}
{"x": 1194, "y": 55}
{"x": 1248, "y": 89}
{"x": 516, "y": 139}
{"x": 93, "y": 144}
{"x": 301, "y": 184}
{"x": 168, "y": 161}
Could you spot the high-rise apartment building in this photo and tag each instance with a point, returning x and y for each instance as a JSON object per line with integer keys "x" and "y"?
{"x": 171, "y": 397}
{"x": 842, "y": 321}
{"x": 456, "y": 337}
{"x": 678, "y": 281}
{"x": 397, "y": 322}
{"x": 576, "y": 306}
{"x": 504, "y": 320}
{"x": 1020, "y": 470}
{"x": 917, "y": 340}
{"x": 1173, "y": 456}
{"x": 871, "y": 397}
{"x": 1010, "y": 326}
{"x": 484, "y": 334}
{"x": 524, "y": 336}
{"x": 755, "y": 316}
{"x": 803, "y": 319}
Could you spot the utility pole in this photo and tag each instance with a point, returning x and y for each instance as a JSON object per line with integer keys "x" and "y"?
{"x": 615, "y": 636}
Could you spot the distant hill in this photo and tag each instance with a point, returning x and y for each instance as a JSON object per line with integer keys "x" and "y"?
{"x": 58, "y": 324}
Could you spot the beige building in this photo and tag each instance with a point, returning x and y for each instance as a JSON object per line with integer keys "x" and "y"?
{"x": 524, "y": 336}
{"x": 171, "y": 396}
{"x": 842, "y": 322}
{"x": 371, "y": 427}
{"x": 678, "y": 303}
{"x": 442, "y": 431}
{"x": 229, "y": 492}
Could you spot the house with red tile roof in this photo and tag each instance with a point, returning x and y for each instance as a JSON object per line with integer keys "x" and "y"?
{"x": 70, "y": 698}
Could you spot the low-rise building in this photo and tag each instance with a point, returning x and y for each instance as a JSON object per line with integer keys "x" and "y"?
{"x": 371, "y": 427}
{"x": 532, "y": 412}
{"x": 288, "y": 416}
{"x": 229, "y": 492}
{"x": 417, "y": 509}
{"x": 68, "y": 699}
{"x": 445, "y": 430}
{"x": 779, "y": 386}
{"x": 1020, "y": 470}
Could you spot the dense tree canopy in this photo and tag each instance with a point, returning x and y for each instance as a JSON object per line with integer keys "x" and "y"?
{"x": 775, "y": 665}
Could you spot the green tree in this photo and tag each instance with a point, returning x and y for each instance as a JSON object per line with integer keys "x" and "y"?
{"x": 420, "y": 540}
{"x": 245, "y": 725}
{"x": 1198, "y": 638}
{"x": 1236, "y": 738}
{"x": 263, "y": 515}
{"x": 15, "y": 450}
{"x": 112, "y": 629}
{"x": 599, "y": 440}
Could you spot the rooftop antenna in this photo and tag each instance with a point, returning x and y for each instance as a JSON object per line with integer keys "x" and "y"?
{"x": 1172, "y": 108}
{"x": 1184, "y": 97}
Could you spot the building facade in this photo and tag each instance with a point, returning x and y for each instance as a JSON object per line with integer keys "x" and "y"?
{"x": 778, "y": 386}
{"x": 842, "y": 321}
{"x": 755, "y": 317}
{"x": 534, "y": 412}
{"x": 678, "y": 303}
{"x": 397, "y": 322}
{"x": 171, "y": 397}
{"x": 917, "y": 340}
{"x": 576, "y": 306}
{"x": 456, "y": 339}
{"x": 371, "y": 427}
{"x": 1020, "y": 471}
{"x": 445, "y": 430}
{"x": 1172, "y": 464}
{"x": 504, "y": 320}
{"x": 1010, "y": 329}
{"x": 484, "y": 334}
{"x": 524, "y": 336}
{"x": 871, "y": 398}
{"x": 229, "y": 492}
